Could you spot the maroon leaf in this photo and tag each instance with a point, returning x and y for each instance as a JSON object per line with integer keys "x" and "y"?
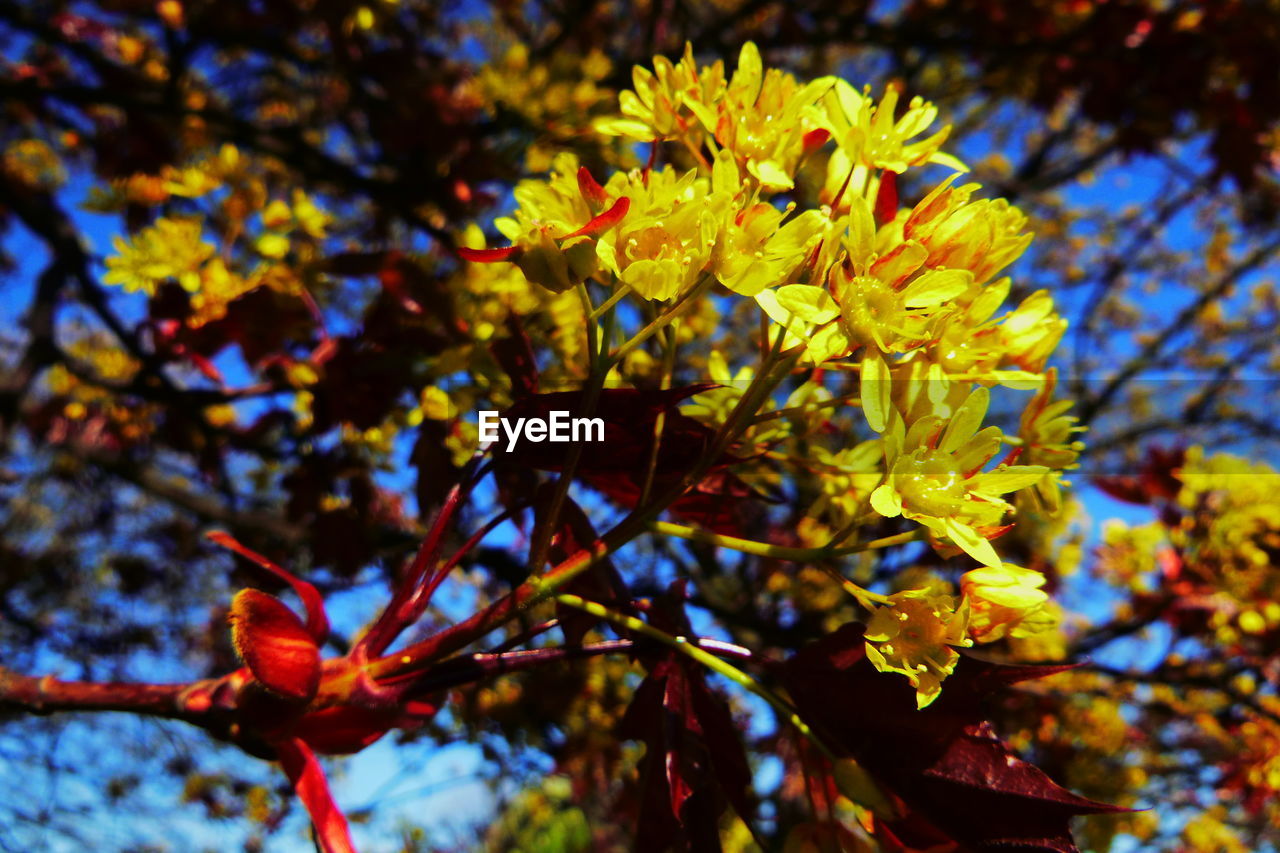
{"x": 601, "y": 582}
{"x": 618, "y": 465}
{"x": 694, "y": 759}
{"x": 1158, "y": 480}
{"x": 944, "y": 761}
{"x": 514, "y": 355}
{"x": 719, "y": 502}
{"x": 488, "y": 256}
{"x": 628, "y": 416}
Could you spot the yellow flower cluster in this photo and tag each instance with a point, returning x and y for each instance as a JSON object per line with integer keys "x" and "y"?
{"x": 915, "y": 635}
{"x": 917, "y": 632}
{"x": 1230, "y": 537}
{"x": 784, "y": 192}
{"x": 169, "y": 249}
{"x": 556, "y": 97}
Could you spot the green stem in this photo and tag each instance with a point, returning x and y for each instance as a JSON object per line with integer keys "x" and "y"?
{"x": 597, "y": 371}
{"x": 593, "y": 341}
{"x": 851, "y": 399}
{"x": 659, "y": 424}
{"x": 620, "y": 290}
{"x": 815, "y": 556}
{"x": 539, "y": 587}
{"x": 662, "y": 320}
{"x": 781, "y": 552}
{"x": 683, "y": 645}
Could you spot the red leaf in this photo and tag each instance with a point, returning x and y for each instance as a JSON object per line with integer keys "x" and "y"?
{"x": 689, "y": 729}
{"x": 629, "y": 416}
{"x": 815, "y": 139}
{"x": 591, "y": 189}
{"x": 887, "y": 198}
{"x": 309, "y": 783}
{"x": 1158, "y": 480}
{"x": 690, "y": 738}
{"x": 275, "y": 646}
{"x": 488, "y": 256}
{"x": 719, "y": 502}
{"x": 604, "y": 221}
{"x": 944, "y": 762}
{"x": 618, "y": 465}
{"x": 601, "y": 582}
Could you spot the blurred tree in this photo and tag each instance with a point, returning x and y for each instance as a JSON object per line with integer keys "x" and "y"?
{"x": 233, "y": 301}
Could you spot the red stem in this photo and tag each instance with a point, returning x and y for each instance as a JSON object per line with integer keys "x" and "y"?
{"x": 438, "y": 577}
{"x": 414, "y": 591}
{"x": 46, "y": 694}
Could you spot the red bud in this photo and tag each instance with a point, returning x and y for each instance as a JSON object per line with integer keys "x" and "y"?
{"x": 275, "y": 645}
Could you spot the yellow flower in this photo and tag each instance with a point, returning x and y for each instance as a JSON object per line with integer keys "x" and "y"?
{"x": 665, "y": 242}
{"x": 670, "y": 101}
{"x": 1005, "y": 599}
{"x": 983, "y": 236}
{"x": 967, "y": 340}
{"x": 1046, "y": 431}
{"x": 34, "y": 163}
{"x": 555, "y": 227}
{"x": 765, "y": 119}
{"x": 867, "y": 133}
{"x": 891, "y": 317}
{"x": 171, "y": 248}
{"x": 887, "y": 297}
{"x": 806, "y": 312}
{"x": 1031, "y": 333}
{"x": 914, "y": 636}
{"x": 219, "y": 287}
{"x": 755, "y": 249}
{"x": 934, "y": 476}
{"x": 867, "y": 138}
